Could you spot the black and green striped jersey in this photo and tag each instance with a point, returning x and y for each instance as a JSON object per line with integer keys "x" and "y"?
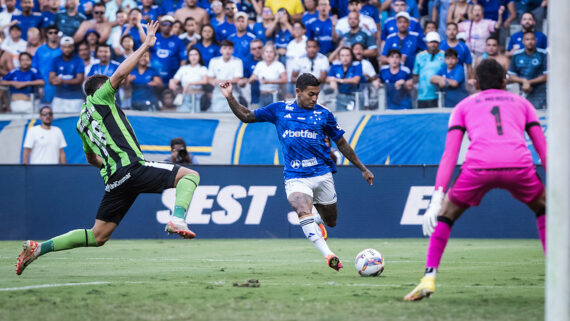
{"x": 105, "y": 131}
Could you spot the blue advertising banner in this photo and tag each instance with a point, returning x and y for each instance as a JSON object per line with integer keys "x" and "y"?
{"x": 38, "y": 202}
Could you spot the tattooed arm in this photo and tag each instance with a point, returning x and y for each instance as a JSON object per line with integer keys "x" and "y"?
{"x": 241, "y": 112}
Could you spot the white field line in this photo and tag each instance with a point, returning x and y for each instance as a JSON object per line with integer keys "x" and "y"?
{"x": 54, "y": 285}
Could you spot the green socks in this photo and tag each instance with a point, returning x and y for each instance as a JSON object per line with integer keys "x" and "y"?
{"x": 69, "y": 240}
{"x": 184, "y": 191}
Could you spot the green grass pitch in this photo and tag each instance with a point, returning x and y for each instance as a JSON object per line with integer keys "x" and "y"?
{"x": 193, "y": 280}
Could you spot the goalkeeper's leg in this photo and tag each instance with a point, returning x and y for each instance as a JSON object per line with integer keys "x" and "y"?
{"x": 437, "y": 242}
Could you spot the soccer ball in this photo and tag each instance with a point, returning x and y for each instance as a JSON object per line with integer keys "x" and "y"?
{"x": 369, "y": 262}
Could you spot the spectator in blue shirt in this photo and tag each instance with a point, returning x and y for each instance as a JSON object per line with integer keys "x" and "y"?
{"x": 169, "y": 52}
{"x": 407, "y": 42}
{"x": 255, "y": 56}
{"x": 241, "y": 38}
{"x": 43, "y": 59}
{"x": 463, "y": 53}
{"x": 344, "y": 77}
{"x": 22, "y": 82}
{"x": 411, "y": 9}
{"x": 48, "y": 15}
{"x": 227, "y": 28}
{"x": 105, "y": 66}
{"x": 371, "y": 11}
{"x": 528, "y": 68}
{"x": 67, "y": 74}
{"x": 390, "y": 25}
{"x": 264, "y": 30}
{"x": 144, "y": 82}
{"x": 208, "y": 45}
{"x": 358, "y": 35}
{"x": 69, "y": 20}
{"x": 283, "y": 33}
{"x": 28, "y": 19}
{"x": 428, "y": 63}
{"x": 398, "y": 82}
{"x": 322, "y": 29}
{"x": 217, "y": 14}
{"x": 310, "y": 13}
{"x": 135, "y": 28}
{"x": 528, "y": 24}
{"x": 451, "y": 79}
{"x": 150, "y": 11}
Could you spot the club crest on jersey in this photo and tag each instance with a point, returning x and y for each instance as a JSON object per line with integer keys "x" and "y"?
{"x": 295, "y": 163}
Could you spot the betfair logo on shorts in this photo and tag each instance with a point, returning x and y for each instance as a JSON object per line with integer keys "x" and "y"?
{"x": 299, "y": 133}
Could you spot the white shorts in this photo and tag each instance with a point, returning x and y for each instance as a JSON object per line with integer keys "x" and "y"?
{"x": 320, "y": 188}
{"x": 60, "y": 105}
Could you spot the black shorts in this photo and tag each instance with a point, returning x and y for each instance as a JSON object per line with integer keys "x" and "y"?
{"x": 128, "y": 182}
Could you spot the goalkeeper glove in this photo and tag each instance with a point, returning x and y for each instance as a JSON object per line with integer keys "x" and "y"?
{"x": 430, "y": 216}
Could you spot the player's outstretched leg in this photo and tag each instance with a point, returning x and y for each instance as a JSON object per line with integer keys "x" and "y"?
{"x": 313, "y": 232}
{"x": 187, "y": 181}
{"x": 32, "y": 250}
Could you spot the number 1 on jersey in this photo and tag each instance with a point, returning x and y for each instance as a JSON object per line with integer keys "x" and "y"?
{"x": 495, "y": 111}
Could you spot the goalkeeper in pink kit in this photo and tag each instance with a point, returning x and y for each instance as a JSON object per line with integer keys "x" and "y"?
{"x": 495, "y": 121}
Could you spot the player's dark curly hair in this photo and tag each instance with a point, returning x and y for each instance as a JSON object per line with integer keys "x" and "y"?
{"x": 305, "y": 80}
{"x": 490, "y": 74}
{"x": 93, "y": 83}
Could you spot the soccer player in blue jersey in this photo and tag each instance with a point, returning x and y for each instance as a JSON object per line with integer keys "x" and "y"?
{"x": 302, "y": 126}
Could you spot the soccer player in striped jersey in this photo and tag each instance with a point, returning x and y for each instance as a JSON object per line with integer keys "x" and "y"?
{"x": 498, "y": 157}
{"x": 110, "y": 144}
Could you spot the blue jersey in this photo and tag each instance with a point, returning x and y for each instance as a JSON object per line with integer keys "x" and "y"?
{"x": 409, "y": 46}
{"x": 166, "y": 55}
{"x": 48, "y": 19}
{"x": 463, "y": 53}
{"x": 68, "y": 24}
{"x": 390, "y": 27}
{"x": 248, "y": 67}
{"x": 259, "y": 32}
{"x": 371, "y": 11}
{"x": 152, "y": 13}
{"x": 337, "y": 70}
{"x": 515, "y": 42}
{"x": 107, "y": 70}
{"x": 34, "y": 20}
{"x": 170, "y": 6}
{"x": 224, "y": 30}
{"x": 396, "y": 98}
{"x": 529, "y": 66}
{"x": 19, "y": 75}
{"x": 143, "y": 94}
{"x": 301, "y": 132}
{"x": 68, "y": 70}
{"x": 282, "y": 38}
{"x": 322, "y": 32}
{"x": 42, "y": 61}
{"x": 454, "y": 95}
{"x": 241, "y": 44}
{"x": 208, "y": 53}
{"x": 341, "y": 6}
{"x": 309, "y": 18}
{"x": 135, "y": 34}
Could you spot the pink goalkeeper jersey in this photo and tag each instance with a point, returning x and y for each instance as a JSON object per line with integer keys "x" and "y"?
{"x": 495, "y": 121}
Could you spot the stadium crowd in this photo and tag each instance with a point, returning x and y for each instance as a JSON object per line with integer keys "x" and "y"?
{"x": 397, "y": 54}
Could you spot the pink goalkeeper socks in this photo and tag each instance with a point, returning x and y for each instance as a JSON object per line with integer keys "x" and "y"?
{"x": 541, "y": 226}
{"x": 437, "y": 243}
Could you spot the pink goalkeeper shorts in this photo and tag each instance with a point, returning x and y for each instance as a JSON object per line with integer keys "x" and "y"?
{"x": 472, "y": 184}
